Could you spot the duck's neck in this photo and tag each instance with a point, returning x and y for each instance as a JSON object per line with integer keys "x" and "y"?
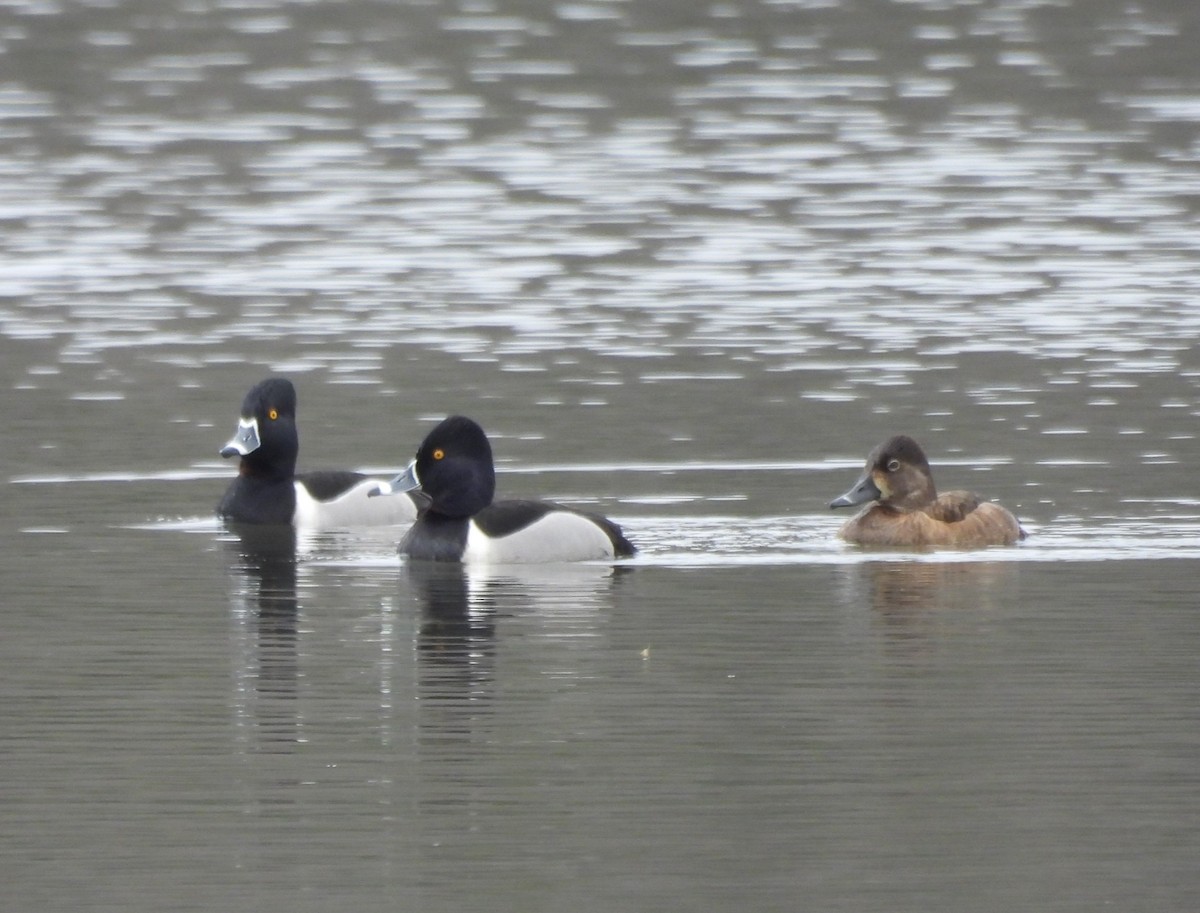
{"x": 436, "y": 537}
{"x": 266, "y": 472}
{"x": 918, "y": 497}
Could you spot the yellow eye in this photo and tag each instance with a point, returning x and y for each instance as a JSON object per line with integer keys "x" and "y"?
{"x": 273, "y": 414}
{"x": 439, "y": 453}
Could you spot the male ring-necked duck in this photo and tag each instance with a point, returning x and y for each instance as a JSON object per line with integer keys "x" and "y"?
{"x": 906, "y": 510}
{"x": 454, "y": 468}
{"x": 267, "y": 488}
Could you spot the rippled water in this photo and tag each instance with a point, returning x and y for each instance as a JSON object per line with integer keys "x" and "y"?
{"x": 687, "y": 263}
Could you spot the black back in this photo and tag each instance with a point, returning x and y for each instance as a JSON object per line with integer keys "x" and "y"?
{"x": 327, "y": 484}
{"x": 502, "y": 518}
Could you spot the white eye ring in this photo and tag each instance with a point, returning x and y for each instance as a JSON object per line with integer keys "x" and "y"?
{"x": 893, "y": 465}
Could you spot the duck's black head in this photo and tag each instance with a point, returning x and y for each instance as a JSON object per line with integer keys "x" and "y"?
{"x": 266, "y": 439}
{"x": 454, "y": 467}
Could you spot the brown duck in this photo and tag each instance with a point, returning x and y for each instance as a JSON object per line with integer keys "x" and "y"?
{"x": 907, "y": 511}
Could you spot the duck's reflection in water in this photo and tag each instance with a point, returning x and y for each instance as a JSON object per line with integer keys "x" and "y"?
{"x": 915, "y": 598}
{"x": 469, "y": 619}
{"x": 264, "y": 610}
{"x": 455, "y": 645}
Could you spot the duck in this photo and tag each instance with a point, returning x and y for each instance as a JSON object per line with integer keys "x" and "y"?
{"x": 905, "y": 510}
{"x": 462, "y": 522}
{"x": 268, "y": 490}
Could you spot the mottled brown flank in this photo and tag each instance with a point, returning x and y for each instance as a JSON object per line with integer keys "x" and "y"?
{"x": 957, "y": 519}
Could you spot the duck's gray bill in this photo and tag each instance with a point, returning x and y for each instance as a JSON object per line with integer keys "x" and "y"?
{"x": 864, "y": 490}
{"x": 245, "y": 441}
{"x": 406, "y": 481}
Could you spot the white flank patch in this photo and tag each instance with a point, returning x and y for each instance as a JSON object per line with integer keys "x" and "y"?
{"x": 353, "y": 508}
{"x": 558, "y": 536}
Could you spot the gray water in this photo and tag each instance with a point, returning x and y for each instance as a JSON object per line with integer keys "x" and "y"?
{"x": 687, "y": 263}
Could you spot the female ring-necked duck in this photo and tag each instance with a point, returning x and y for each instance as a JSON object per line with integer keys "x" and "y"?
{"x": 454, "y": 468}
{"x": 267, "y": 488}
{"x": 906, "y": 510}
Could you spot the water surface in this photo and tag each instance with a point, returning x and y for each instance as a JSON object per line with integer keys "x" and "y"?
{"x": 687, "y": 263}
